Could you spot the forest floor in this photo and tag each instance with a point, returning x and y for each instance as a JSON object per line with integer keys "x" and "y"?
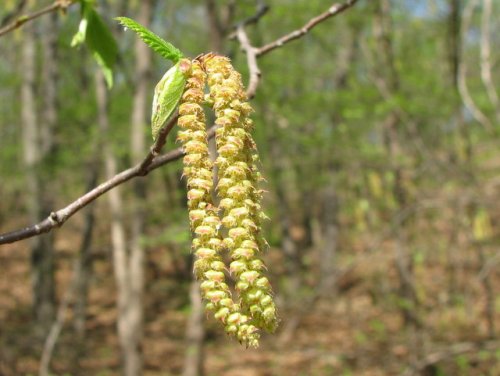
{"x": 358, "y": 331}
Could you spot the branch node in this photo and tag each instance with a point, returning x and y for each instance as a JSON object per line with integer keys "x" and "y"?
{"x": 55, "y": 220}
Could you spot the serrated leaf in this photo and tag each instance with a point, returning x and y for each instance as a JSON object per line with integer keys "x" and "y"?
{"x": 165, "y": 49}
{"x": 98, "y": 38}
{"x": 168, "y": 92}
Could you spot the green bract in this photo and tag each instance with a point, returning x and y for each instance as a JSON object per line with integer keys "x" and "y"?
{"x": 168, "y": 92}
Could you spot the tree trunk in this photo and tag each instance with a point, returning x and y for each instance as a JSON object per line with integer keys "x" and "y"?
{"x": 84, "y": 267}
{"x": 404, "y": 262}
{"x": 329, "y": 224}
{"x": 134, "y": 313}
{"x": 118, "y": 239}
{"x": 42, "y": 257}
{"x": 195, "y": 333}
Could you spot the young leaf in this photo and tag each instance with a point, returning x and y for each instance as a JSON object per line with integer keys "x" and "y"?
{"x": 168, "y": 92}
{"x": 79, "y": 37}
{"x": 98, "y": 38}
{"x": 165, "y": 49}
{"x": 102, "y": 44}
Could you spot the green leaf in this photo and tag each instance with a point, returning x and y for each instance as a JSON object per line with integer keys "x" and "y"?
{"x": 168, "y": 92}
{"x": 99, "y": 40}
{"x": 79, "y": 37}
{"x": 165, "y": 49}
{"x": 102, "y": 44}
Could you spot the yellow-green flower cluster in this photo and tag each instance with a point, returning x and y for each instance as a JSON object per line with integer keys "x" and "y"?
{"x": 237, "y": 189}
{"x": 203, "y": 215}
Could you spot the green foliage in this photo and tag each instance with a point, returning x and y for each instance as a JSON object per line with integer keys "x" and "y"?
{"x": 168, "y": 92}
{"x": 96, "y": 35}
{"x": 165, "y": 49}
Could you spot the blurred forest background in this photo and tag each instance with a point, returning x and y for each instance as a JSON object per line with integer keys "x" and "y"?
{"x": 379, "y": 137}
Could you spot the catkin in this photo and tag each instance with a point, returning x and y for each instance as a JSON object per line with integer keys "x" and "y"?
{"x": 203, "y": 215}
{"x": 237, "y": 188}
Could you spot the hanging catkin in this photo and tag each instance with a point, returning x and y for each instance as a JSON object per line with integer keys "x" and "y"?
{"x": 203, "y": 216}
{"x": 237, "y": 188}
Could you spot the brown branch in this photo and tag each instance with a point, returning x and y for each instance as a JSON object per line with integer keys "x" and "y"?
{"x": 152, "y": 160}
{"x": 57, "y": 218}
{"x": 262, "y": 9}
{"x": 13, "y": 13}
{"x": 251, "y": 53}
{"x": 334, "y": 10}
{"x": 21, "y": 20}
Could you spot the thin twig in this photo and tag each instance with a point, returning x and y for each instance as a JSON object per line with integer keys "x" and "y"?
{"x": 57, "y": 219}
{"x": 262, "y": 9}
{"x": 334, "y": 10}
{"x": 56, "y": 5}
{"x": 152, "y": 160}
{"x": 14, "y": 13}
{"x": 250, "y": 51}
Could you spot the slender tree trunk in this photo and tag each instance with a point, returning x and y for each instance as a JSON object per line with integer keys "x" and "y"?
{"x": 84, "y": 267}
{"x": 118, "y": 239}
{"x": 133, "y": 352}
{"x": 215, "y": 27}
{"x": 329, "y": 224}
{"x": 489, "y": 293}
{"x": 34, "y": 149}
{"x": 404, "y": 262}
{"x": 195, "y": 333}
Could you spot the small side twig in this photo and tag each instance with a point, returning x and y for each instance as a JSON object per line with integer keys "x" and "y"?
{"x": 334, "y": 10}
{"x": 14, "y": 13}
{"x": 21, "y": 20}
{"x": 253, "y": 67}
{"x": 57, "y": 218}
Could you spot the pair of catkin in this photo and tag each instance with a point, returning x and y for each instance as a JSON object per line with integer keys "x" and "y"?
{"x": 234, "y": 225}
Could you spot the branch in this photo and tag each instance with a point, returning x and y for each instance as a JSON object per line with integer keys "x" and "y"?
{"x": 251, "y": 53}
{"x": 57, "y": 219}
{"x": 21, "y": 20}
{"x": 334, "y": 10}
{"x": 13, "y": 13}
{"x": 262, "y": 9}
{"x": 152, "y": 160}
